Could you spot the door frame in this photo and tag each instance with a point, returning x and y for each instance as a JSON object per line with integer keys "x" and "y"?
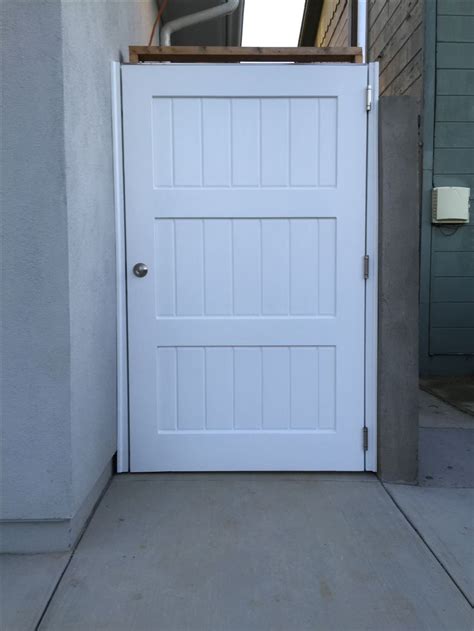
{"x": 371, "y": 250}
{"x": 371, "y": 285}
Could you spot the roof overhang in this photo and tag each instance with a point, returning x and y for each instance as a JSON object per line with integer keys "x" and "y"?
{"x": 309, "y": 25}
{"x": 223, "y": 31}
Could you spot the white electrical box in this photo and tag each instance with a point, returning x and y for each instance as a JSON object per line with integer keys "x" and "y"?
{"x": 450, "y": 204}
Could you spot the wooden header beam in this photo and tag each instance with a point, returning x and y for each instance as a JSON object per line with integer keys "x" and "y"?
{"x": 235, "y": 54}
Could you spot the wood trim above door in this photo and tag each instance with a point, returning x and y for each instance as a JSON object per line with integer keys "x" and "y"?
{"x": 234, "y": 54}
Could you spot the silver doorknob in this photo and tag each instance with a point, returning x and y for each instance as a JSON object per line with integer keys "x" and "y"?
{"x": 140, "y": 270}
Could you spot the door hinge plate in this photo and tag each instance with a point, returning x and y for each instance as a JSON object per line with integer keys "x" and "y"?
{"x": 365, "y": 438}
{"x": 368, "y": 99}
{"x": 366, "y": 266}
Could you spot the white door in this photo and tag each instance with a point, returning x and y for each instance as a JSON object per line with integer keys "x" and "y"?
{"x": 245, "y": 198}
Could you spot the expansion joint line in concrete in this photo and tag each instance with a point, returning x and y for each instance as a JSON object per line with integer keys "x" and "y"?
{"x": 433, "y": 553}
{"x": 73, "y": 552}
{"x": 43, "y": 613}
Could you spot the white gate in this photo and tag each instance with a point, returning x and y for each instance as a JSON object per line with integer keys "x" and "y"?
{"x": 245, "y": 195}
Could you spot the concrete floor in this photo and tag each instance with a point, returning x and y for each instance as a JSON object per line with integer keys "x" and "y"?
{"x": 445, "y": 519}
{"x": 434, "y": 413}
{"x": 446, "y": 458}
{"x": 457, "y": 391}
{"x": 27, "y": 582}
{"x": 266, "y": 551}
{"x": 249, "y": 551}
{"x": 441, "y": 508}
{"x": 446, "y": 444}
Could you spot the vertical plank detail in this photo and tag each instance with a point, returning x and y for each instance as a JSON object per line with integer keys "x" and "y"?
{"x": 219, "y": 388}
{"x": 304, "y": 266}
{"x": 327, "y": 267}
{"x": 247, "y": 267}
{"x": 275, "y": 142}
{"x": 189, "y": 267}
{"x": 248, "y": 388}
{"x": 216, "y": 142}
{"x": 304, "y": 142}
{"x": 327, "y": 387}
{"x": 304, "y": 388}
{"x": 165, "y": 271}
{"x": 245, "y": 142}
{"x": 276, "y": 388}
{"x": 162, "y": 145}
{"x": 275, "y": 267}
{"x": 327, "y": 142}
{"x": 218, "y": 266}
{"x": 166, "y": 389}
{"x": 191, "y": 389}
{"x": 187, "y": 142}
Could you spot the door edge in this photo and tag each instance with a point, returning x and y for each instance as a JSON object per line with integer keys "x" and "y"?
{"x": 123, "y": 458}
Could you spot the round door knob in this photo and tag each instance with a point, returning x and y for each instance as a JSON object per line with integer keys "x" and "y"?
{"x": 140, "y": 270}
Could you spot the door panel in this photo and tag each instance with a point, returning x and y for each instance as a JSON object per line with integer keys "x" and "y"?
{"x": 245, "y": 196}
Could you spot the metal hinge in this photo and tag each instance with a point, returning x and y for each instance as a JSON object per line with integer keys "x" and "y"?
{"x": 365, "y": 438}
{"x": 368, "y": 98}
{"x": 366, "y": 266}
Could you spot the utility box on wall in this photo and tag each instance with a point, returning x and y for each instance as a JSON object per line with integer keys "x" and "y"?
{"x": 450, "y": 204}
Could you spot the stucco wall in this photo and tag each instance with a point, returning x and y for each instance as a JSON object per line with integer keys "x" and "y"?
{"x": 94, "y": 34}
{"x": 58, "y": 293}
{"x": 35, "y": 354}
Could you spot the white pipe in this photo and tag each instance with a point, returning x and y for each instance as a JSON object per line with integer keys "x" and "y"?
{"x": 195, "y": 18}
{"x": 362, "y": 28}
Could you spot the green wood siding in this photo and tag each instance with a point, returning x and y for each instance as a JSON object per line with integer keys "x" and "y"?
{"x": 453, "y": 179}
{"x": 459, "y": 241}
{"x": 453, "y": 160}
{"x": 454, "y": 134}
{"x": 447, "y": 314}
{"x": 457, "y": 264}
{"x": 451, "y": 306}
{"x": 455, "y": 82}
{"x": 449, "y": 289}
{"x": 449, "y": 341}
{"x": 455, "y": 28}
{"x": 455, "y": 55}
{"x": 454, "y": 108}
{"x": 455, "y": 7}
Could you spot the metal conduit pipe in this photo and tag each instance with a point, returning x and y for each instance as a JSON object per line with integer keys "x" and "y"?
{"x": 195, "y": 18}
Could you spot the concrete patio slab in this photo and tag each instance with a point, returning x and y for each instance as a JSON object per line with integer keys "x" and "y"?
{"x": 435, "y": 413}
{"x": 446, "y": 457}
{"x": 458, "y": 391}
{"x": 245, "y": 552}
{"x": 445, "y": 520}
{"x": 26, "y": 584}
